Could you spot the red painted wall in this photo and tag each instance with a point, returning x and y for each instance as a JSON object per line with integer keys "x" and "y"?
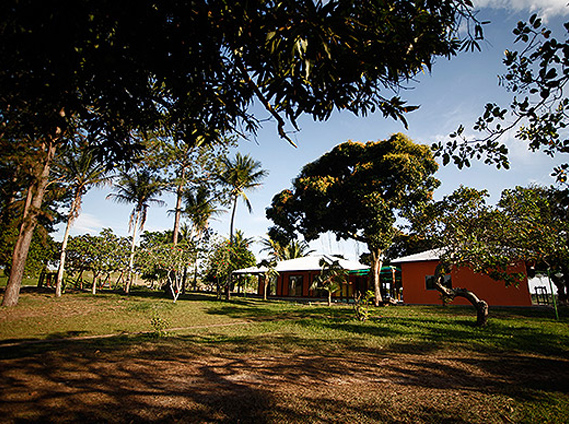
{"x": 347, "y": 290}
{"x": 494, "y": 292}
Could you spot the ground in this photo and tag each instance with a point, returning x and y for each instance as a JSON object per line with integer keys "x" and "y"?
{"x": 284, "y": 370}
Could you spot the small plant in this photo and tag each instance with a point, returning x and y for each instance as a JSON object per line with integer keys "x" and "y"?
{"x": 159, "y": 325}
{"x": 362, "y": 305}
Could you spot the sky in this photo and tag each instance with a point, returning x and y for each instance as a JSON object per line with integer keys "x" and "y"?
{"x": 453, "y": 93}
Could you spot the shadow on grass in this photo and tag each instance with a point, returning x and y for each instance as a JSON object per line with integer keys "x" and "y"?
{"x": 257, "y": 379}
{"x": 426, "y": 330}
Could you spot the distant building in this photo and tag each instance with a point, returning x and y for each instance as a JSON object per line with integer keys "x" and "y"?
{"x": 297, "y": 275}
{"x": 417, "y": 279}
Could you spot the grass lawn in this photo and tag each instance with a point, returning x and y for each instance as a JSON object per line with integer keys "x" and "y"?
{"x": 92, "y": 359}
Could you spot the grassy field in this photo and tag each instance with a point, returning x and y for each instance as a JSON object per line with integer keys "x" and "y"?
{"x": 100, "y": 359}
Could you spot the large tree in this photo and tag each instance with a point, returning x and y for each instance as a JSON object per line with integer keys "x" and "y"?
{"x": 528, "y": 225}
{"x": 540, "y": 231}
{"x": 80, "y": 170}
{"x": 111, "y": 71}
{"x": 357, "y": 191}
{"x": 467, "y": 233}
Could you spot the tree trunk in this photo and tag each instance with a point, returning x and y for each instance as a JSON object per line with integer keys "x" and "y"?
{"x": 61, "y": 269}
{"x": 481, "y": 306}
{"x": 265, "y": 288}
{"x": 376, "y": 264}
{"x": 178, "y": 210}
{"x": 184, "y": 280}
{"x": 195, "y": 282}
{"x": 228, "y": 283}
{"x": 561, "y": 282}
{"x": 33, "y": 205}
{"x": 329, "y": 298}
{"x": 131, "y": 259}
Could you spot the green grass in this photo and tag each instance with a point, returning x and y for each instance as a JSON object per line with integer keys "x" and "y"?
{"x": 407, "y": 364}
{"x": 26, "y": 281}
{"x": 416, "y": 328}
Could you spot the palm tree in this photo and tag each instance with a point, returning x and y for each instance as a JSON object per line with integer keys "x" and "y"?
{"x": 331, "y": 278}
{"x": 270, "y": 275}
{"x": 279, "y": 252}
{"x": 81, "y": 171}
{"x": 200, "y": 207}
{"x": 296, "y": 249}
{"x": 141, "y": 188}
{"x": 240, "y": 175}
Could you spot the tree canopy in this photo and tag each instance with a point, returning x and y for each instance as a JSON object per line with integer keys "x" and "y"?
{"x": 536, "y": 76}
{"x": 357, "y": 191}
{"x": 192, "y": 70}
{"x": 195, "y": 67}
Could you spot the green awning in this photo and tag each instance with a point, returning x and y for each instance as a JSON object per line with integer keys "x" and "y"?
{"x": 384, "y": 270}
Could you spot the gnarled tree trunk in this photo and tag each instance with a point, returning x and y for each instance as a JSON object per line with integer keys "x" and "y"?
{"x": 481, "y": 306}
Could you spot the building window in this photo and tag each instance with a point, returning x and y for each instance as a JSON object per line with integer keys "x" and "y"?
{"x": 430, "y": 282}
{"x": 295, "y": 285}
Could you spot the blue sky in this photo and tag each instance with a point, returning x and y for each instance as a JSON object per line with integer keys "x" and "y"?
{"x": 454, "y": 92}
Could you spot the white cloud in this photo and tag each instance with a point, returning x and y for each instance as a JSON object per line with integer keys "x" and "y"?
{"x": 544, "y": 8}
{"x": 87, "y": 223}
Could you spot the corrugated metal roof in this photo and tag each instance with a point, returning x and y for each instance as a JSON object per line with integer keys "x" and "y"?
{"x": 429, "y": 255}
{"x": 308, "y": 263}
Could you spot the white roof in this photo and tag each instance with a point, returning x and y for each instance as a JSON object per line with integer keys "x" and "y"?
{"x": 429, "y": 255}
{"x": 308, "y": 263}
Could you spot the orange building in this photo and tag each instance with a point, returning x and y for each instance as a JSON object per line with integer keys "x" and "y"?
{"x": 417, "y": 278}
{"x": 297, "y": 275}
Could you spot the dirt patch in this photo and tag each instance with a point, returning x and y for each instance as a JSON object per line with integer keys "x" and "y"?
{"x": 174, "y": 380}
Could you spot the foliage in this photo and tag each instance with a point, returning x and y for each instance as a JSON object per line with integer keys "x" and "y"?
{"x": 536, "y": 76}
{"x": 103, "y": 255}
{"x": 470, "y": 233}
{"x": 270, "y": 275}
{"x": 159, "y": 324}
{"x": 192, "y": 71}
{"x": 80, "y": 170}
{"x": 227, "y": 257}
{"x": 240, "y": 175}
{"x": 43, "y": 249}
{"x": 200, "y": 206}
{"x": 362, "y": 305}
{"x": 159, "y": 258}
{"x": 282, "y": 251}
{"x": 330, "y": 278}
{"x": 140, "y": 187}
{"x": 197, "y": 68}
{"x": 188, "y": 168}
{"x": 357, "y": 191}
{"x": 540, "y": 230}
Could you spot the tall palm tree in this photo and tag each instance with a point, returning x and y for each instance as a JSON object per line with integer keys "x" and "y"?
{"x": 81, "y": 170}
{"x": 142, "y": 188}
{"x": 200, "y": 207}
{"x": 240, "y": 175}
